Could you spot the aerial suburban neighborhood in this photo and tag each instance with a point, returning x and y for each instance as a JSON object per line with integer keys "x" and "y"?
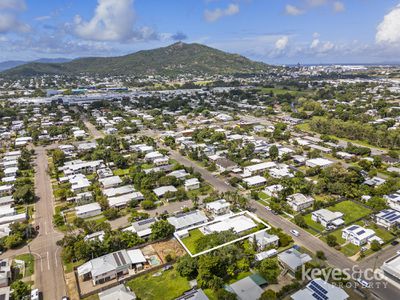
{"x": 186, "y": 172}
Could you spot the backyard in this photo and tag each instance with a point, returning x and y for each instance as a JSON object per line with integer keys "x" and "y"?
{"x": 159, "y": 285}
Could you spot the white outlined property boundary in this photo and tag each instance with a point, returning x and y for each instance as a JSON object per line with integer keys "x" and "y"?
{"x": 251, "y": 215}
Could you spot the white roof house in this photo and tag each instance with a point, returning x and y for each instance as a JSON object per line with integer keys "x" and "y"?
{"x": 391, "y": 268}
{"x": 318, "y": 162}
{"x": 393, "y": 200}
{"x": 273, "y": 190}
{"x": 119, "y": 292}
{"x": 88, "y": 210}
{"x": 255, "y": 180}
{"x": 126, "y": 189}
{"x": 238, "y": 224}
{"x": 123, "y": 200}
{"x": 160, "y": 191}
{"x": 258, "y": 168}
{"x": 358, "y": 235}
{"x": 191, "y": 184}
{"x": 388, "y": 218}
{"x": 327, "y": 217}
{"x": 264, "y": 239}
{"x": 186, "y": 220}
{"x": 142, "y": 227}
{"x": 110, "y": 182}
{"x": 298, "y": 201}
{"x": 153, "y": 155}
{"x": 318, "y": 289}
{"x": 218, "y": 207}
{"x": 292, "y": 259}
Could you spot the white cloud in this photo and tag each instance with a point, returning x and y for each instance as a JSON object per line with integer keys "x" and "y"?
{"x": 316, "y": 35}
{"x": 112, "y": 21}
{"x": 338, "y": 6}
{"x": 42, "y": 18}
{"x": 388, "y": 31}
{"x": 314, "y": 44}
{"x": 13, "y": 4}
{"x": 10, "y": 23}
{"x": 293, "y": 10}
{"x": 282, "y": 43}
{"x": 214, "y": 15}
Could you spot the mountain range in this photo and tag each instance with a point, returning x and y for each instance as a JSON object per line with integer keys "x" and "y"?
{"x": 9, "y": 64}
{"x": 175, "y": 59}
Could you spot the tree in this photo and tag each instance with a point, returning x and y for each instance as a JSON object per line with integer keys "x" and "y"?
{"x": 375, "y": 246}
{"x": 58, "y": 220}
{"x": 321, "y": 255}
{"x": 24, "y": 194}
{"x": 147, "y": 204}
{"x": 20, "y": 290}
{"x": 223, "y": 294}
{"x": 269, "y": 269}
{"x": 187, "y": 267}
{"x": 331, "y": 240}
{"x": 268, "y": 295}
{"x": 161, "y": 229}
{"x": 377, "y": 203}
{"x": 110, "y": 213}
{"x": 58, "y": 157}
{"x": 299, "y": 221}
{"x": 273, "y": 152}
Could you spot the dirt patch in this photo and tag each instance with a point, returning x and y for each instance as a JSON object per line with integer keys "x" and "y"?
{"x": 171, "y": 247}
{"x": 72, "y": 287}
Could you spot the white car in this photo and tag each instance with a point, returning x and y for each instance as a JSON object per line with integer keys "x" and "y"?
{"x": 35, "y": 294}
{"x": 398, "y": 252}
{"x": 294, "y": 232}
{"x": 267, "y": 207}
{"x": 363, "y": 283}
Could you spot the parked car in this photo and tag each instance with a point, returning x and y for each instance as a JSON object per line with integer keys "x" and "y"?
{"x": 35, "y": 294}
{"x": 394, "y": 243}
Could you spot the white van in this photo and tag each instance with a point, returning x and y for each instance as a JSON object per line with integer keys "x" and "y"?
{"x": 294, "y": 232}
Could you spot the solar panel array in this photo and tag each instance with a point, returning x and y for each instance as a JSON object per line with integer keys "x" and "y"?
{"x": 319, "y": 291}
{"x": 361, "y": 232}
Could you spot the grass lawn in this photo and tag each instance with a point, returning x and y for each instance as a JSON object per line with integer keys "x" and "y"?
{"x": 313, "y": 224}
{"x": 239, "y": 276}
{"x": 338, "y": 235}
{"x": 190, "y": 241}
{"x": 93, "y": 297}
{"x": 382, "y": 233}
{"x": 350, "y": 249}
{"x": 278, "y": 91}
{"x": 351, "y": 211}
{"x": 121, "y": 172}
{"x": 263, "y": 195}
{"x": 29, "y": 263}
{"x": 169, "y": 285}
{"x": 69, "y": 267}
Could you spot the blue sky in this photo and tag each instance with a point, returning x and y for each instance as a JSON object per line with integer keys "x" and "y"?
{"x": 274, "y": 31}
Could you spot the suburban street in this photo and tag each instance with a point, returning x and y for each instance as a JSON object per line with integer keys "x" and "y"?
{"x": 49, "y": 273}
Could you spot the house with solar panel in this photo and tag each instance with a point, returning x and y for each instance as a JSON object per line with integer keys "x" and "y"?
{"x": 359, "y": 236}
{"x": 388, "y": 218}
{"x": 319, "y": 289}
{"x": 111, "y": 266}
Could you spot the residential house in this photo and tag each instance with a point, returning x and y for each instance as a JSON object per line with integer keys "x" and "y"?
{"x": 388, "y": 218}
{"x": 218, "y": 207}
{"x": 264, "y": 240}
{"x": 327, "y": 218}
{"x": 358, "y": 235}
{"x": 185, "y": 220}
{"x": 88, "y": 210}
{"x": 119, "y": 292}
{"x": 292, "y": 259}
{"x": 191, "y": 184}
{"x": 318, "y": 289}
{"x": 299, "y": 202}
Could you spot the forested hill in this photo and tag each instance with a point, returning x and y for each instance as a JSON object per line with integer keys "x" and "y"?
{"x": 178, "y": 58}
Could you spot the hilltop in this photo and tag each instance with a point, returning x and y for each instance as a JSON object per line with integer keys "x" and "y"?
{"x": 178, "y": 58}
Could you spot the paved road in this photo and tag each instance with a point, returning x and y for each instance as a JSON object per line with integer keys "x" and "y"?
{"x": 49, "y": 274}
{"x": 219, "y": 184}
{"x": 334, "y": 258}
{"x": 96, "y": 134}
